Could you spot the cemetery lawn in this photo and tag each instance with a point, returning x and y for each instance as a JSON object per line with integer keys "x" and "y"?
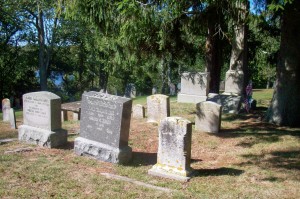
{"x": 247, "y": 159}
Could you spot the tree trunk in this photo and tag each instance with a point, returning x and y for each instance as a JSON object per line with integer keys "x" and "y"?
{"x": 285, "y": 105}
{"x": 41, "y": 39}
{"x": 213, "y": 54}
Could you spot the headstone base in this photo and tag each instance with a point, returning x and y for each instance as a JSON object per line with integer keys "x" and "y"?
{"x": 103, "y": 152}
{"x": 42, "y": 137}
{"x": 186, "y": 98}
{"x": 171, "y": 172}
{"x": 230, "y": 103}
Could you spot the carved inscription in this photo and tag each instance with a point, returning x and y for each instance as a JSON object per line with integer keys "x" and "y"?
{"x": 36, "y": 111}
{"x": 101, "y": 112}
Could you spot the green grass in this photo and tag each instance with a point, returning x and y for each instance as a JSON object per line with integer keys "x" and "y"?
{"x": 263, "y": 96}
{"x": 247, "y": 159}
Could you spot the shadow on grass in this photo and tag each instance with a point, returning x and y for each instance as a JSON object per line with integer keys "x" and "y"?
{"x": 218, "y": 172}
{"x": 280, "y": 159}
{"x": 143, "y": 159}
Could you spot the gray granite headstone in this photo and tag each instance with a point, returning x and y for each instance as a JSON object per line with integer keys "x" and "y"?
{"x": 41, "y": 120}
{"x": 12, "y": 119}
{"x": 158, "y": 107}
{"x": 208, "y": 117}
{"x": 194, "y": 87}
{"x": 104, "y": 127}
{"x": 230, "y": 103}
{"x": 5, "y": 109}
{"x": 174, "y": 149}
{"x": 138, "y": 111}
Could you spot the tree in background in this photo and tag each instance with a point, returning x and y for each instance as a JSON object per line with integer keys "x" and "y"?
{"x": 284, "y": 108}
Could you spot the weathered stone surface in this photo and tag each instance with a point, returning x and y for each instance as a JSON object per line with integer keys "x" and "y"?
{"x": 230, "y": 103}
{"x": 42, "y": 110}
{"x": 194, "y": 87}
{"x": 208, "y": 117}
{"x": 5, "y": 109}
{"x": 42, "y": 137}
{"x": 104, "y": 127}
{"x": 42, "y": 121}
{"x": 138, "y": 111}
{"x": 158, "y": 107}
{"x": 174, "y": 150}
{"x": 234, "y": 82}
{"x": 12, "y": 119}
{"x": 102, "y": 151}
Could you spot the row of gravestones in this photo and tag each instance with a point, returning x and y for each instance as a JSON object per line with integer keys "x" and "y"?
{"x": 195, "y": 89}
{"x": 104, "y": 129}
{"x": 8, "y": 113}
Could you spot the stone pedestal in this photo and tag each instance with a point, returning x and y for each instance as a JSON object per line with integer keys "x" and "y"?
{"x": 208, "y": 117}
{"x": 42, "y": 122}
{"x": 104, "y": 127}
{"x": 174, "y": 149}
{"x": 194, "y": 87}
{"x": 234, "y": 82}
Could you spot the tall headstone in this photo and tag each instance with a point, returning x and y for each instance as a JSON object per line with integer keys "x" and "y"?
{"x": 138, "y": 111}
{"x": 104, "y": 127}
{"x": 174, "y": 149}
{"x": 42, "y": 121}
{"x": 12, "y": 119}
{"x": 234, "y": 81}
{"x": 5, "y": 109}
{"x": 158, "y": 107}
{"x": 194, "y": 87}
{"x": 208, "y": 117}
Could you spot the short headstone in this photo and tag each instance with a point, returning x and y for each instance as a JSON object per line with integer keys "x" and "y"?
{"x": 234, "y": 81}
{"x": 230, "y": 103}
{"x": 138, "y": 111}
{"x": 194, "y": 87}
{"x": 208, "y": 117}
{"x": 158, "y": 107}
{"x": 174, "y": 149}
{"x": 5, "y": 109}
{"x": 41, "y": 120}
{"x": 12, "y": 119}
{"x": 104, "y": 127}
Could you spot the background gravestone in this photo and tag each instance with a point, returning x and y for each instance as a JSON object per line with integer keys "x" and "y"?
{"x": 208, "y": 117}
{"x": 230, "y": 103}
{"x": 104, "y": 127}
{"x": 158, "y": 107}
{"x": 70, "y": 111}
{"x": 42, "y": 121}
{"x": 130, "y": 91}
{"x": 12, "y": 119}
{"x": 174, "y": 149}
{"x": 138, "y": 111}
{"x": 5, "y": 109}
{"x": 194, "y": 87}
